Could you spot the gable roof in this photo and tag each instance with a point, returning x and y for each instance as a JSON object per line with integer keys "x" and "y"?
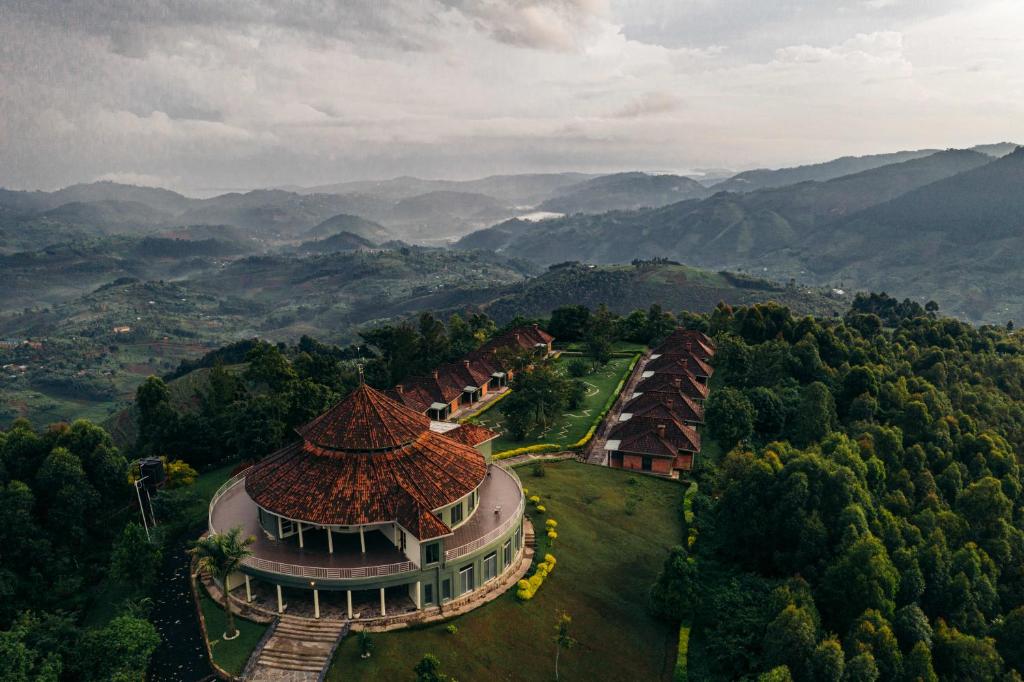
{"x": 680, "y": 404}
{"x": 686, "y": 357}
{"x": 677, "y": 381}
{"x": 681, "y": 436}
{"x": 471, "y": 434}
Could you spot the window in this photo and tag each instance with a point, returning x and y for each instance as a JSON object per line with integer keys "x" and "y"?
{"x": 472, "y": 501}
{"x": 506, "y": 553}
{"x": 518, "y": 537}
{"x": 446, "y": 589}
{"x": 457, "y": 514}
{"x": 428, "y": 594}
{"x": 287, "y": 527}
{"x": 467, "y": 579}
{"x": 401, "y": 539}
{"x": 433, "y": 553}
{"x": 646, "y": 464}
{"x": 491, "y": 566}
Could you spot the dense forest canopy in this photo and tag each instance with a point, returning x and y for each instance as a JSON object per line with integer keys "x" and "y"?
{"x": 864, "y": 520}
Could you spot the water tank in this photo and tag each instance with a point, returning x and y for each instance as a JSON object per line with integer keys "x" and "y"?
{"x": 152, "y": 469}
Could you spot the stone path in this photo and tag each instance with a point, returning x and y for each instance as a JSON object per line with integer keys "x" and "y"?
{"x": 299, "y": 650}
{"x": 595, "y": 453}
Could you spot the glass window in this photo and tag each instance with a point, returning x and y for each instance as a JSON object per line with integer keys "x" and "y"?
{"x": 491, "y": 566}
{"x": 433, "y": 553}
{"x": 287, "y": 527}
{"x": 519, "y": 537}
{"x": 467, "y": 579}
{"x": 446, "y": 589}
{"x": 457, "y": 514}
{"x": 506, "y": 552}
{"x": 428, "y": 594}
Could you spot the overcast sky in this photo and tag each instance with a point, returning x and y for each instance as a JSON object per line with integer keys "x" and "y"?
{"x": 202, "y": 95}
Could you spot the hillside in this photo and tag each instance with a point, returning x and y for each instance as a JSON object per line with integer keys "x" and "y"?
{"x": 728, "y": 230}
{"x": 763, "y": 178}
{"x": 624, "y": 191}
{"x": 957, "y": 241}
{"x": 674, "y": 287}
{"x": 353, "y": 224}
{"x": 340, "y": 241}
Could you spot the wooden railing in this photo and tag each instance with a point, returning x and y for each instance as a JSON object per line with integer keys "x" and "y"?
{"x": 484, "y": 540}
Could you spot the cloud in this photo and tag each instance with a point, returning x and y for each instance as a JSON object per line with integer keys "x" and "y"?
{"x": 253, "y": 92}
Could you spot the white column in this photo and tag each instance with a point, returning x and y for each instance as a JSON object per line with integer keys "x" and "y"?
{"x": 348, "y": 595}
{"x": 280, "y": 528}
{"x": 248, "y": 589}
{"x": 330, "y": 541}
{"x": 301, "y": 543}
{"x": 362, "y": 540}
{"x": 382, "y": 611}
{"x": 419, "y": 593}
{"x": 280, "y": 600}
{"x": 316, "y": 603}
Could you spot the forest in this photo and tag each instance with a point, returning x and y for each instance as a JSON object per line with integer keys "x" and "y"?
{"x": 864, "y": 520}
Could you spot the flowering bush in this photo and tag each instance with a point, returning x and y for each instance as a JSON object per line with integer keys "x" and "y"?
{"x": 525, "y": 589}
{"x": 550, "y": 523}
{"x": 535, "y": 499}
{"x": 552, "y": 535}
{"x": 541, "y": 508}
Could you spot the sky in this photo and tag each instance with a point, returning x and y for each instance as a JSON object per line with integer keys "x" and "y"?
{"x": 207, "y": 95}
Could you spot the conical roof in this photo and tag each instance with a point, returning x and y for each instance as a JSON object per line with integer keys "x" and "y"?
{"x": 365, "y": 420}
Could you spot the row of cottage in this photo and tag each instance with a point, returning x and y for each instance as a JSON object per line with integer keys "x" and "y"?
{"x": 469, "y": 380}
{"x": 657, "y": 427}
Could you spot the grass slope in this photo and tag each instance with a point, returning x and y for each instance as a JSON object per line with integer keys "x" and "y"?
{"x": 607, "y": 561}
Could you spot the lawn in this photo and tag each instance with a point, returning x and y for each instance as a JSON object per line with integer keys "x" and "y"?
{"x": 230, "y": 655}
{"x": 617, "y": 347}
{"x": 607, "y": 561}
{"x": 572, "y": 425}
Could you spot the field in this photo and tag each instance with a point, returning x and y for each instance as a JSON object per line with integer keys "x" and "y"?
{"x": 607, "y": 561}
{"x": 572, "y": 425}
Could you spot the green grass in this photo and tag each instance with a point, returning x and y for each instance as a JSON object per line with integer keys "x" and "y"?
{"x": 617, "y": 347}
{"x": 572, "y": 425}
{"x": 607, "y": 561}
{"x": 229, "y": 655}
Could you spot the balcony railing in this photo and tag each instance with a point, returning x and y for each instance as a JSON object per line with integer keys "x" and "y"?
{"x": 484, "y": 540}
{"x": 323, "y": 573}
{"x": 228, "y": 484}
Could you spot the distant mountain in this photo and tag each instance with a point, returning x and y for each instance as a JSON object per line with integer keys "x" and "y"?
{"x": 998, "y": 150}
{"x": 434, "y": 205}
{"x": 527, "y": 189}
{"x": 353, "y": 224}
{"x": 341, "y": 241}
{"x": 726, "y": 230}
{"x": 763, "y": 178}
{"x": 108, "y": 215}
{"x": 155, "y": 197}
{"x": 624, "y": 191}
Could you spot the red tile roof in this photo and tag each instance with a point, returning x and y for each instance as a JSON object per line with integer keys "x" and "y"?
{"x": 647, "y": 443}
{"x": 350, "y": 478}
{"x": 527, "y": 337}
{"x": 365, "y": 420}
{"x": 692, "y": 362}
{"x": 674, "y": 380}
{"x": 471, "y": 434}
{"x": 682, "y": 340}
{"x": 676, "y": 432}
{"x": 680, "y": 404}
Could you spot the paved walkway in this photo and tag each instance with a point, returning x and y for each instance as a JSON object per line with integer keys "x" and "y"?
{"x": 595, "y": 453}
{"x": 299, "y": 650}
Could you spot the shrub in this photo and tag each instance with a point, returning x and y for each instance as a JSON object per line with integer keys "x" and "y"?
{"x": 539, "y": 471}
{"x": 552, "y": 535}
{"x": 525, "y": 589}
{"x": 452, "y": 629}
{"x": 535, "y": 499}
{"x": 365, "y": 644}
{"x": 579, "y": 368}
{"x": 550, "y": 523}
{"x": 541, "y": 508}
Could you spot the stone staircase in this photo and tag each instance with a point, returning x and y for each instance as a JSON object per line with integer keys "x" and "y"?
{"x": 530, "y": 538}
{"x": 299, "y": 650}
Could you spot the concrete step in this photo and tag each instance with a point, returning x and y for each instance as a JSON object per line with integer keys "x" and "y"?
{"x": 289, "y": 666}
{"x": 307, "y": 636}
{"x": 299, "y": 657}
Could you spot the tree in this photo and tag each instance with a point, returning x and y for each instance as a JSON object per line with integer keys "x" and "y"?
{"x": 778, "y": 674}
{"x": 863, "y": 577}
{"x": 118, "y": 651}
{"x": 563, "y": 640}
{"x": 675, "y": 592}
{"x": 135, "y": 560}
{"x": 1010, "y": 639}
{"x": 598, "y": 337}
{"x": 569, "y": 322}
{"x": 959, "y": 656}
{"x": 789, "y": 641}
{"x": 429, "y": 670}
{"x": 815, "y": 416}
{"x": 917, "y": 666}
{"x": 178, "y": 474}
{"x": 729, "y": 416}
{"x": 828, "y": 661}
{"x": 222, "y": 554}
{"x": 861, "y": 668}
{"x": 872, "y": 632}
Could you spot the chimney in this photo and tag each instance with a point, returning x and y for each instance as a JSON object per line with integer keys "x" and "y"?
{"x": 465, "y": 363}
{"x": 399, "y": 389}
{"x": 661, "y": 430}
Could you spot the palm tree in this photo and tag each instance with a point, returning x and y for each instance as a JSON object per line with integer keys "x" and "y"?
{"x": 222, "y": 554}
